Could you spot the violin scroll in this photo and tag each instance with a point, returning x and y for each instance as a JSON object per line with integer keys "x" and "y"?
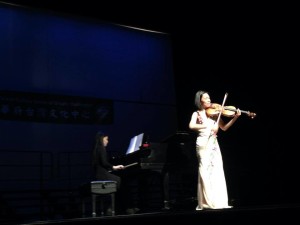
{"x": 251, "y": 114}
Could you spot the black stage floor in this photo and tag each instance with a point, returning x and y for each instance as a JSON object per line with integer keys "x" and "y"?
{"x": 239, "y": 215}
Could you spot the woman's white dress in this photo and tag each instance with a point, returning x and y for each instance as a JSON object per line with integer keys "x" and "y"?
{"x": 212, "y": 189}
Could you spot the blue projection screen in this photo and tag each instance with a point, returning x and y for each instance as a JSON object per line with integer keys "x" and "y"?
{"x": 46, "y": 53}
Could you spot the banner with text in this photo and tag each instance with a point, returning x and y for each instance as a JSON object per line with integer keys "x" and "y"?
{"x": 38, "y": 107}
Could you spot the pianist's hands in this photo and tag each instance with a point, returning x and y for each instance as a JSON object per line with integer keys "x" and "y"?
{"x": 118, "y": 167}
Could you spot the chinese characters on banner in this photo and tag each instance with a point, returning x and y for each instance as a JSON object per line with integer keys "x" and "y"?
{"x": 37, "y": 107}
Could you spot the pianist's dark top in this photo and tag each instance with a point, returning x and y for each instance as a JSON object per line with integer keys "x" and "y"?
{"x": 100, "y": 162}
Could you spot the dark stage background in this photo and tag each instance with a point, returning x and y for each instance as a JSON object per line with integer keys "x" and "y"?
{"x": 249, "y": 52}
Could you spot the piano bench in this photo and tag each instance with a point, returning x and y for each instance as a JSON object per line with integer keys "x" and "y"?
{"x": 101, "y": 189}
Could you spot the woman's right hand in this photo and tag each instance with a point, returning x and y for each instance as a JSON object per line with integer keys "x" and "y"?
{"x": 118, "y": 167}
{"x": 214, "y": 129}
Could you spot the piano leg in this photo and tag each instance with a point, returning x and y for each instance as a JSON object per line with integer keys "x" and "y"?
{"x": 166, "y": 189}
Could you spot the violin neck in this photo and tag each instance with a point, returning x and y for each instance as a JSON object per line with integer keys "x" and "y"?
{"x": 243, "y": 111}
{"x": 251, "y": 114}
{"x": 234, "y": 110}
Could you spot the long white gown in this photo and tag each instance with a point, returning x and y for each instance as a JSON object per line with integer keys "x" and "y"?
{"x": 212, "y": 188}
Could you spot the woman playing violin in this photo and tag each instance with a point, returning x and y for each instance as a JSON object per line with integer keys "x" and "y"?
{"x": 212, "y": 188}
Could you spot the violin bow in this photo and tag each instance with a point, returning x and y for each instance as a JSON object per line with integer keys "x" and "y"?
{"x": 223, "y": 103}
{"x": 219, "y": 116}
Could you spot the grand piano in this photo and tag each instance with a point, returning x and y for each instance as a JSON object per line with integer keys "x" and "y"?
{"x": 173, "y": 161}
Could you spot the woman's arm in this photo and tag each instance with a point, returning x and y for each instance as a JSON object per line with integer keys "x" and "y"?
{"x": 103, "y": 160}
{"x": 193, "y": 125}
{"x": 225, "y": 126}
{"x": 118, "y": 167}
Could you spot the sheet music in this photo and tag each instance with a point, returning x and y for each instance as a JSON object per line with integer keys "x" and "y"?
{"x": 135, "y": 143}
{"x": 131, "y": 145}
{"x": 139, "y": 141}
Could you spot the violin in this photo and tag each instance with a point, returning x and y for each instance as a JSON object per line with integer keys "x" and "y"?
{"x": 228, "y": 111}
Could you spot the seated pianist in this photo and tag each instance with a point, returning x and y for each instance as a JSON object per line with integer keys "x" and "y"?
{"x": 102, "y": 169}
